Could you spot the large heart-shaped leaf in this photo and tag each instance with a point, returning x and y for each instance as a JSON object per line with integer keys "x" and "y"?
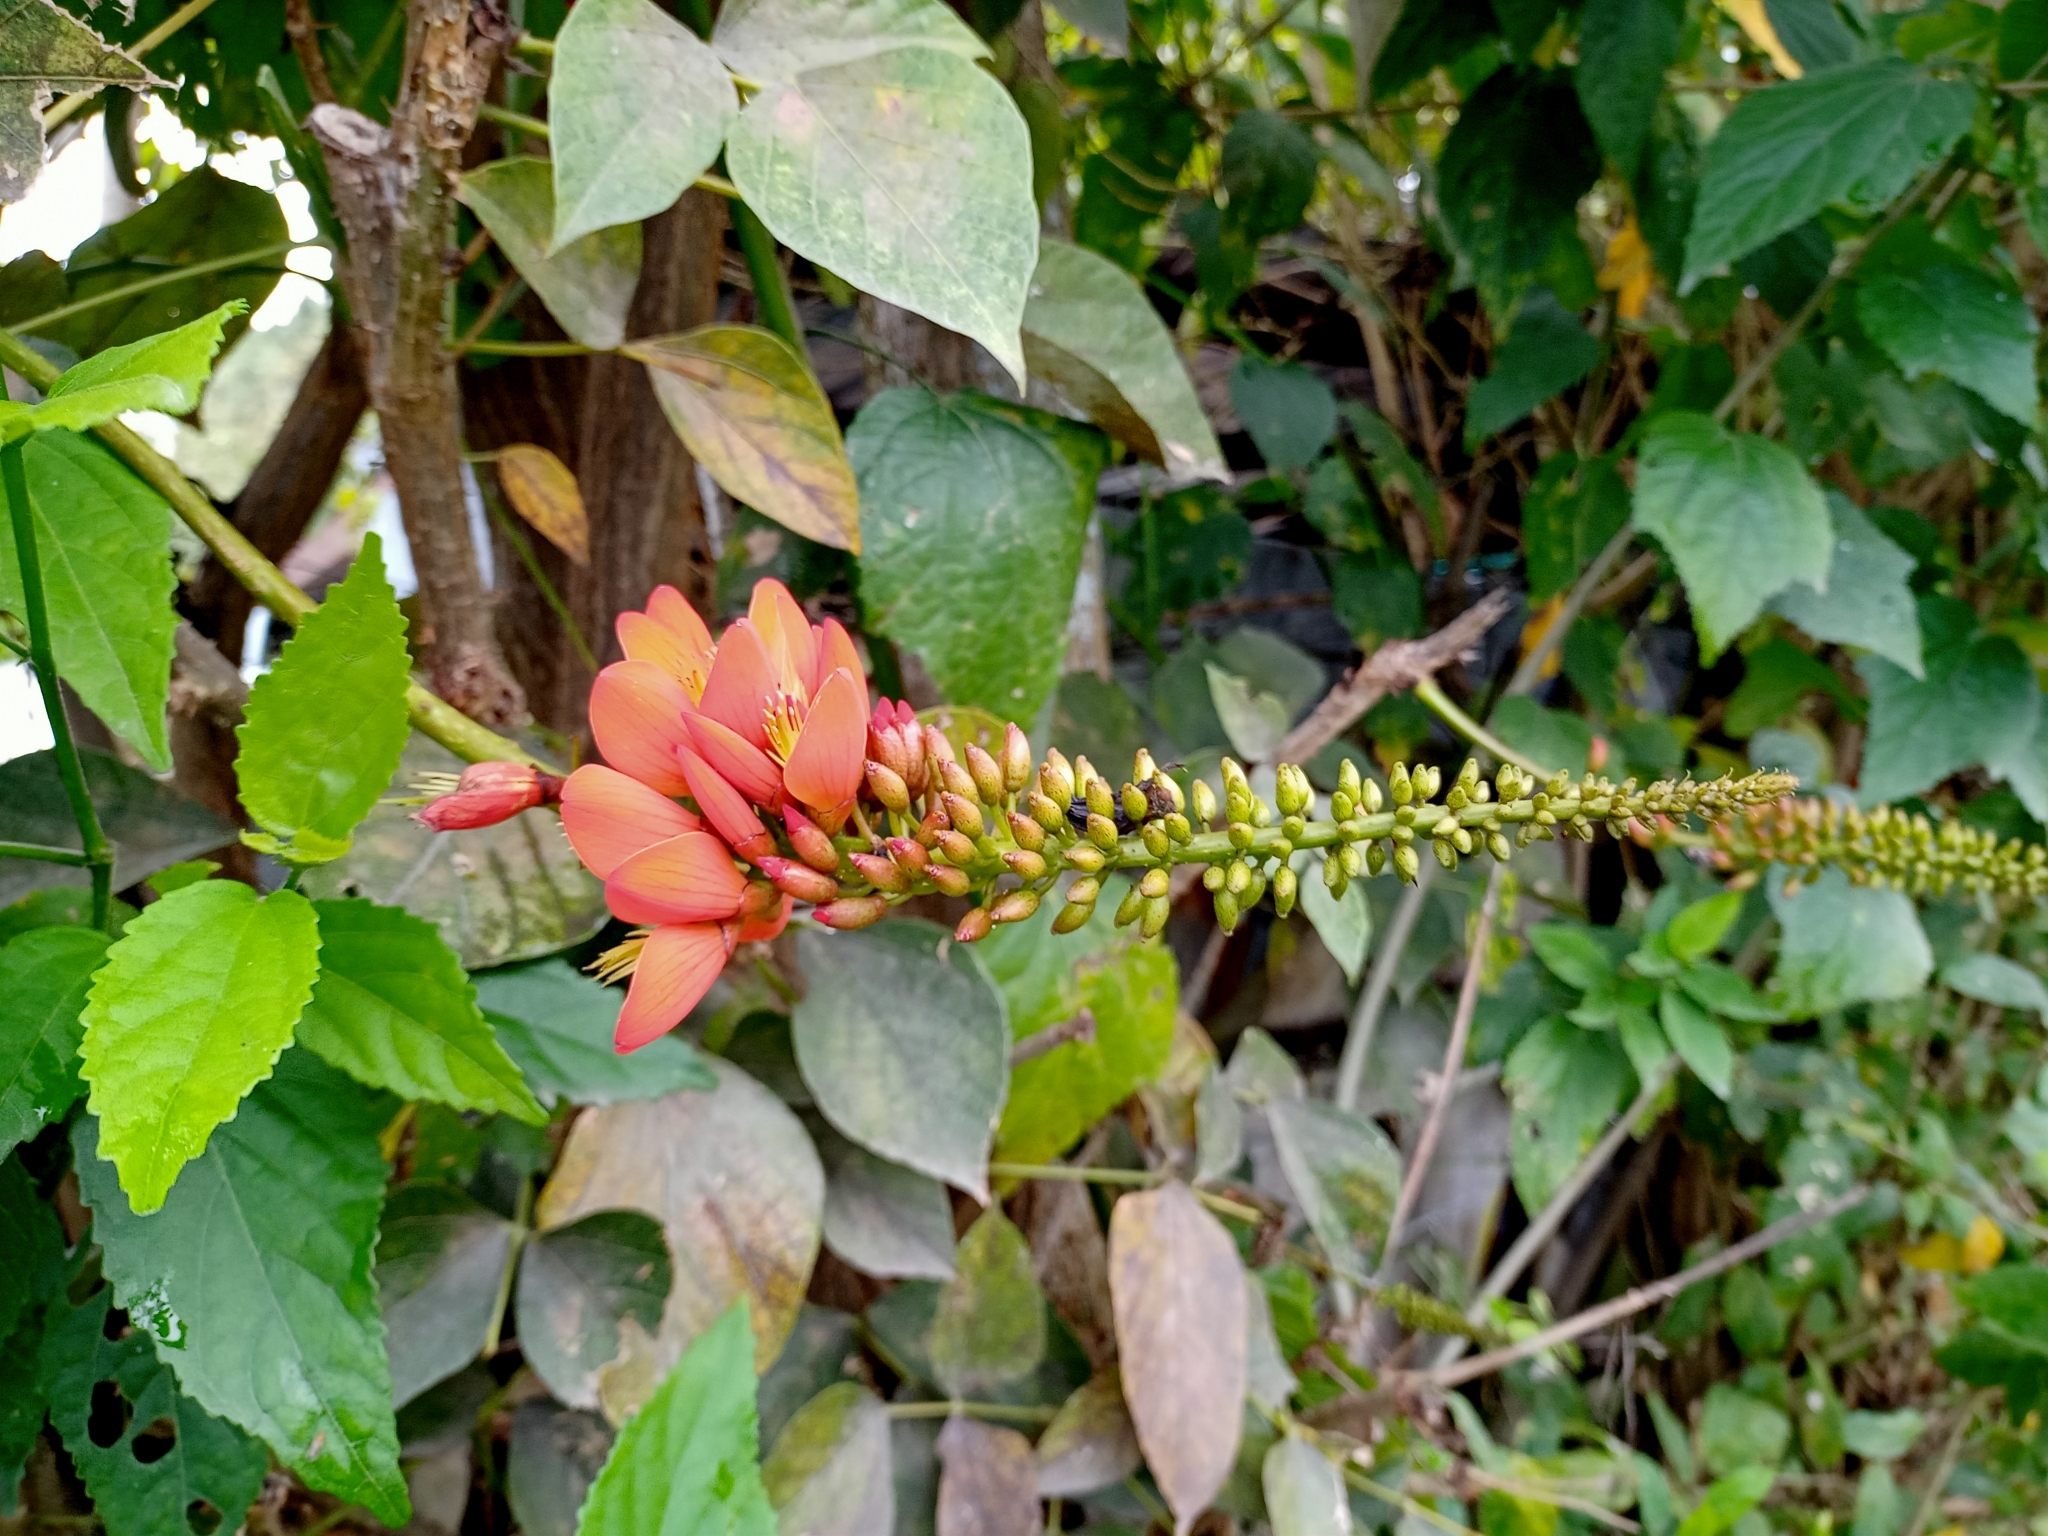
{"x": 587, "y": 283}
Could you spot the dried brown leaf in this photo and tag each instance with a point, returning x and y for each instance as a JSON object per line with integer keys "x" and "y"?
{"x": 988, "y": 1481}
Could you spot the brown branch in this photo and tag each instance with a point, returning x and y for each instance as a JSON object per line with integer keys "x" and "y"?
{"x": 304, "y": 31}
{"x": 1080, "y": 1027}
{"x": 1394, "y": 666}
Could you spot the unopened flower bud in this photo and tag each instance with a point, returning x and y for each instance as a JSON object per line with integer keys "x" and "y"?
{"x": 809, "y": 841}
{"x": 853, "y": 912}
{"x": 1073, "y": 917}
{"x": 1237, "y": 879}
{"x": 1402, "y": 785}
{"x": 799, "y": 880}
{"x": 1130, "y": 909}
{"x": 1342, "y": 806}
{"x": 1153, "y": 882}
{"x": 1234, "y": 780}
{"x": 1016, "y": 758}
{"x": 488, "y": 793}
{"x": 936, "y": 748}
{"x": 887, "y": 747}
{"x": 1428, "y": 780}
{"x": 909, "y": 853}
{"x": 1082, "y": 892}
{"x": 882, "y": 873}
{"x": 1025, "y": 864}
{"x": 1153, "y": 836}
{"x": 1334, "y": 878}
{"x": 1292, "y": 792}
{"x": 957, "y": 848}
{"x": 1203, "y": 800}
{"x": 1468, "y": 775}
{"x": 1056, "y": 778}
{"x": 1407, "y": 862}
{"x": 950, "y": 882}
{"x": 1101, "y": 800}
{"x": 963, "y": 813}
{"x": 1351, "y": 861}
{"x": 1025, "y": 832}
{"x": 1242, "y": 834}
{"x": 887, "y": 786}
{"x": 1178, "y": 828}
{"x": 1446, "y": 855}
{"x": 1153, "y": 921}
{"x": 1462, "y": 839}
{"x": 1226, "y": 911}
{"x": 1375, "y": 859}
{"x": 1049, "y": 814}
{"x": 1015, "y": 907}
{"x": 1212, "y": 878}
{"x": 1348, "y": 779}
{"x": 1497, "y": 845}
{"x": 1085, "y": 857}
{"x": 975, "y": 925}
{"x": 1253, "y": 892}
{"x": 1135, "y": 806}
{"x": 1102, "y": 831}
{"x": 986, "y": 774}
{"x": 1142, "y": 766}
{"x": 934, "y": 823}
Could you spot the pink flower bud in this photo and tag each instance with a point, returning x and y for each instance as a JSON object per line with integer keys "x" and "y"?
{"x": 810, "y": 843}
{"x": 975, "y": 925}
{"x": 488, "y": 793}
{"x": 882, "y": 873}
{"x": 852, "y": 912}
{"x": 799, "y": 880}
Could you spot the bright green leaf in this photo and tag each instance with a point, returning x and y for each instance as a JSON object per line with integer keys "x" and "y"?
{"x": 440, "y": 1259}
{"x": 1739, "y": 514}
{"x": 908, "y": 173}
{"x": 43, "y": 50}
{"x": 614, "y": 161}
{"x": 587, "y": 284}
{"x": 557, "y": 1024}
{"x": 44, "y": 975}
{"x": 1728, "y": 1500}
{"x": 1546, "y": 353}
{"x": 161, "y": 373}
{"x": 958, "y": 495}
{"x": 1958, "y": 321}
{"x": 1844, "y": 944}
{"x": 1700, "y": 1041}
{"x": 1858, "y": 135}
{"x": 685, "y": 1465}
{"x": 893, "y": 1016}
{"x": 393, "y": 1008}
{"x": 990, "y": 1324}
{"x": 1868, "y": 601}
{"x": 255, "y": 1279}
{"x": 1696, "y": 931}
{"x": 1978, "y": 703}
{"x": 193, "y": 1007}
{"x": 324, "y": 727}
{"x": 103, "y": 540}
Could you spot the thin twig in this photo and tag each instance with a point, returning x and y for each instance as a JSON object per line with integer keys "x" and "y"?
{"x": 1951, "y": 1453}
{"x": 1136, "y": 1178}
{"x": 43, "y": 854}
{"x": 1642, "y": 1296}
{"x": 1431, "y": 695}
{"x": 1404, "y": 1502}
{"x": 1081, "y": 1027}
{"x": 945, "y": 1408}
{"x": 1454, "y": 1058}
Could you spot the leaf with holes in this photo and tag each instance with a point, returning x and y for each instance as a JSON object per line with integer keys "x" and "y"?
{"x": 586, "y": 284}
{"x": 394, "y": 1008}
{"x": 440, "y": 1257}
{"x": 829, "y": 1471}
{"x": 578, "y": 1286}
{"x": 255, "y": 1278}
{"x": 746, "y": 405}
{"x": 43, "y": 51}
{"x": 543, "y": 491}
{"x": 45, "y": 975}
{"x": 194, "y": 1005}
{"x": 169, "y": 1466}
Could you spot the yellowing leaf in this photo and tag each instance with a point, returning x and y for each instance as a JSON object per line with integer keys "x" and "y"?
{"x": 1756, "y": 22}
{"x": 542, "y": 491}
{"x": 1982, "y": 1245}
{"x": 1939, "y": 1251}
{"x": 746, "y": 406}
{"x": 1628, "y": 271}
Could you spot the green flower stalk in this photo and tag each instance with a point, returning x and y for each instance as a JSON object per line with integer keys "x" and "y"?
{"x": 1885, "y": 848}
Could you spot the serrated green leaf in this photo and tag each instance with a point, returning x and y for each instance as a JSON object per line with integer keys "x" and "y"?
{"x": 1624, "y": 48}
{"x": 256, "y": 1277}
{"x": 1858, "y": 135}
{"x": 957, "y": 495}
{"x": 44, "y": 975}
{"x": 587, "y": 283}
{"x": 103, "y": 540}
{"x": 1869, "y": 597}
{"x": 686, "y": 1464}
{"x": 908, "y": 173}
{"x": 614, "y": 161}
{"x": 990, "y": 1324}
{"x": 1090, "y": 331}
{"x": 325, "y": 726}
{"x": 159, "y": 373}
{"x": 440, "y": 1261}
{"x": 393, "y": 1008}
{"x": 172, "y": 1461}
{"x": 893, "y": 1016}
{"x": 1739, "y": 514}
{"x": 1977, "y": 703}
{"x": 44, "y": 51}
{"x": 557, "y": 1024}
{"x": 1546, "y": 353}
{"x": 1960, "y": 322}
{"x": 192, "y": 1009}
{"x": 579, "y": 1286}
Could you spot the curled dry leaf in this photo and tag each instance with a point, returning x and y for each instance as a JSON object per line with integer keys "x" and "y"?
{"x": 1178, "y": 1290}
{"x": 543, "y": 491}
{"x": 988, "y": 1481}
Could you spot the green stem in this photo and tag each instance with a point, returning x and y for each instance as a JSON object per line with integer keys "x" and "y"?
{"x": 43, "y": 854}
{"x": 484, "y": 348}
{"x": 524, "y": 550}
{"x": 98, "y": 855}
{"x": 521, "y": 1230}
{"x": 537, "y": 47}
{"x": 945, "y": 1408}
{"x": 1439, "y": 703}
{"x": 773, "y": 308}
{"x": 505, "y": 117}
{"x": 161, "y": 280}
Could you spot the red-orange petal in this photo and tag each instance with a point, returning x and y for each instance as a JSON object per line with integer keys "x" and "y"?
{"x": 610, "y": 817}
{"x": 741, "y": 684}
{"x": 723, "y": 806}
{"x": 785, "y": 634}
{"x": 636, "y": 713}
{"x": 836, "y": 650}
{"x": 688, "y": 878}
{"x": 645, "y": 638}
{"x": 825, "y": 769}
{"x": 752, "y": 930}
{"x": 739, "y": 762}
{"x": 678, "y": 964}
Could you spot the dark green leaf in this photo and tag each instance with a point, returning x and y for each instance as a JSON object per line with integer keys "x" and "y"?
{"x": 324, "y": 727}
{"x": 1857, "y": 135}
{"x": 1869, "y": 601}
{"x": 1268, "y": 166}
{"x": 1624, "y": 48}
{"x": 255, "y": 1278}
{"x": 990, "y": 1325}
{"x": 44, "y": 975}
{"x": 1812, "y": 32}
{"x": 1289, "y": 412}
{"x": 579, "y": 1285}
{"x": 393, "y": 1008}
{"x": 893, "y": 1016}
{"x": 1546, "y": 353}
{"x": 1570, "y": 512}
{"x": 440, "y": 1259}
{"x": 1701, "y": 1043}
{"x": 33, "y": 1243}
{"x": 103, "y": 540}
{"x": 1572, "y": 955}
{"x": 193, "y": 1007}
{"x": 1739, "y": 1430}
{"x": 882, "y": 1218}
{"x": 957, "y": 495}
{"x": 43, "y": 50}
{"x": 150, "y": 825}
{"x": 1566, "y": 1085}
{"x": 2022, "y": 39}
{"x": 557, "y": 1024}
{"x": 1977, "y": 703}
{"x": 1958, "y": 321}
{"x": 1775, "y": 677}
{"x": 554, "y": 1457}
{"x": 687, "y": 1461}
{"x": 587, "y": 283}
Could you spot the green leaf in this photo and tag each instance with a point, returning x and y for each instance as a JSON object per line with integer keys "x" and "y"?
{"x": 1739, "y": 1430}
{"x": 908, "y": 173}
{"x": 686, "y": 1463}
{"x": 614, "y": 161}
{"x": 103, "y": 539}
{"x": 1845, "y": 944}
{"x": 579, "y": 1286}
{"x": 1566, "y": 1085}
{"x": 1696, "y": 931}
{"x": 1961, "y": 322}
{"x": 150, "y": 825}
{"x": 172, "y": 1463}
{"x": 1343, "y": 923}
{"x": 393, "y": 1008}
{"x": 1546, "y": 353}
{"x": 1552, "y": 737}
{"x": 1090, "y": 331}
{"x": 1978, "y": 703}
{"x": 1755, "y": 1320}
{"x": 42, "y": 50}
{"x": 1268, "y": 166}
{"x": 1345, "y": 1174}
{"x": 1739, "y": 514}
{"x": 324, "y": 727}
{"x": 1869, "y": 599}
{"x": 1857, "y": 135}
{"x": 1624, "y": 48}
{"x": 776, "y": 39}
{"x": 1700, "y": 1041}
{"x": 746, "y": 405}
{"x": 894, "y": 1015}
{"x": 255, "y": 1279}
{"x": 440, "y": 1259}
{"x": 44, "y": 975}
{"x": 1305, "y": 1494}
{"x": 554, "y": 1456}
{"x": 1289, "y": 412}
{"x": 1090, "y": 1443}
{"x": 1728, "y": 1500}
{"x": 192, "y": 1009}
{"x": 1571, "y": 954}
{"x": 557, "y": 1024}
{"x": 882, "y": 1218}
{"x": 587, "y": 283}
{"x": 990, "y": 1325}
{"x": 829, "y": 1471}
{"x": 1988, "y": 978}
{"x": 959, "y": 494}
{"x": 1882, "y": 1436}
{"x": 161, "y": 373}
{"x": 34, "y": 1245}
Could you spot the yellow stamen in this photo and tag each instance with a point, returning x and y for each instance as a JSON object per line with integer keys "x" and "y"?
{"x": 784, "y": 721}
{"x": 621, "y": 960}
